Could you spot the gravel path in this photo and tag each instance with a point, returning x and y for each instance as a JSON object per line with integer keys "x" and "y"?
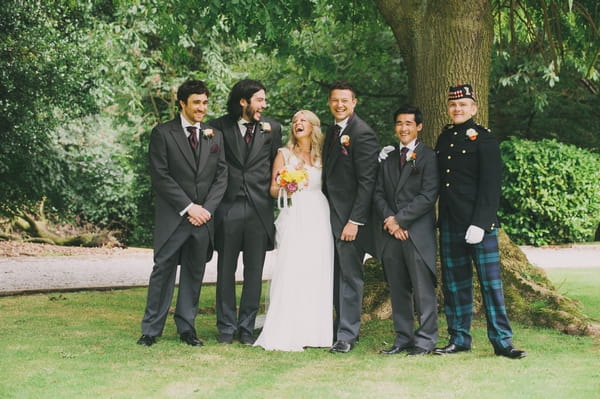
{"x": 131, "y": 268}
{"x": 29, "y": 274}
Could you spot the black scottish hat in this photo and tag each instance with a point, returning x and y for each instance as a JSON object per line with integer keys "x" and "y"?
{"x": 461, "y": 91}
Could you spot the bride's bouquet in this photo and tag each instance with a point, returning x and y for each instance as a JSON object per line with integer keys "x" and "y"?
{"x": 290, "y": 180}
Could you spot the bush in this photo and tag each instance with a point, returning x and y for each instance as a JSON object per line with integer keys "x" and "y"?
{"x": 95, "y": 181}
{"x": 550, "y": 192}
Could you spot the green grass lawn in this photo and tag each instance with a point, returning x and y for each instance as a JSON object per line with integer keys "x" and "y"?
{"x": 82, "y": 345}
{"x": 581, "y": 284}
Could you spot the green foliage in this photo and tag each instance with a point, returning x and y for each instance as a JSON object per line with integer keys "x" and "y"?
{"x": 546, "y": 70}
{"x": 98, "y": 181}
{"x": 45, "y": 57}
{"x": 550, "y": 192}
{"x": 528, "y": 108}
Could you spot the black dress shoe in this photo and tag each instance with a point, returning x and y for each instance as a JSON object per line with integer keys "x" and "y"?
{"x": 225, "y": 338}
{"x": 190, "y": 339}
{"x": 394, "y": 350}
{"x": 417, "y": 351}
{"x": 146, "y": 340}
{"x": 510, "y": 352}
{"x": 450, "y": 348}
{"x": 247, "y": 339}
{"x": 341, "y": 347}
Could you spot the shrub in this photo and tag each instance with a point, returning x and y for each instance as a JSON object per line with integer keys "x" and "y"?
{"x": 550, "y": 192}
{"x": 95, "y": 182}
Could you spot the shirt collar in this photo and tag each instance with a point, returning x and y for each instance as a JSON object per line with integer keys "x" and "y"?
{"x": 411, "y": 146}
{"x": 241, "y": 124}
{"x": 343, "y": 123}
{"x": 185, "y": 124}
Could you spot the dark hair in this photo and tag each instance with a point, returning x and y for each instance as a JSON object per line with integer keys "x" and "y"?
{"x": 243, "y": 89}
{"x": 190, "y": 87}
{"x": 342, "y": 85}
{"x": 410, "y": 109}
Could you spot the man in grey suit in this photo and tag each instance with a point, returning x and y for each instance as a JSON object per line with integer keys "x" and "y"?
{"x": 189, "y": 177}
{"x": 244, "y": 220}
{"x": 404, "y": 200}
{"x": 349, "y": 173}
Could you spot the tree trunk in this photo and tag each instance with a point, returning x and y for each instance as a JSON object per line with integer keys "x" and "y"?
{"x": 443, "y": 43}
{"x": 38, "y": 230}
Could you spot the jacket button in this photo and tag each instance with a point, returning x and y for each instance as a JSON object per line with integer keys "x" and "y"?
{"x": 455, "y": 133}
{"x": 451, "y": 145}
{"x": 464, "y": 151}
{"x": 447, "y": 184}
{"x": 449, "y": 156}
{"x": 447, "y": 170}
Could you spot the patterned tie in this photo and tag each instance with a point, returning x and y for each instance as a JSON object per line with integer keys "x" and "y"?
{"x": 193, "y": 138}
{"x": 403, "y": 152}
{"x": 249, "y": 132}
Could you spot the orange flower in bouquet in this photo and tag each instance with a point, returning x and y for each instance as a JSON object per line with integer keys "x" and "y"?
{"x": 290, "y": 180}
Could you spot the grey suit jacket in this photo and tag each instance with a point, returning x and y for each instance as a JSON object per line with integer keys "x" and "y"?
{"x": 410, "y": 197}
{"x": 250, "y": 174}
{"x": 349, "y": 173}
{"x": 178, "y": 180}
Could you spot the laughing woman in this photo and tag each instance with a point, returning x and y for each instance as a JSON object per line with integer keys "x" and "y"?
{"x": 301, "y": 295}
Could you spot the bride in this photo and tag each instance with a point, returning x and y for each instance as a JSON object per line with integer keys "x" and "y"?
{"x": 301, "y": 294}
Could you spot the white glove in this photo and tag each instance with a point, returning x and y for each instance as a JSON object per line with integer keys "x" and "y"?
{"x": 474, "y": 235}
{"x": 384, "y": 152}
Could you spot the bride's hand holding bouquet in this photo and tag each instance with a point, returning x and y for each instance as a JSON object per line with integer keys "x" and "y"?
{"x": 290, "y": 179}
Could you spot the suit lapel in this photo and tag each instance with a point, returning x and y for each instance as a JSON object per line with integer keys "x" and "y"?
{"x": 182, "y": 142}
{"x": 232, "y": 136}
{"x": 256, "y": 143}
{"x": 334, "y": 147}
{"x": 205, "y": 144}
{"x": 393, "y": 169}
{"x": 406, "y": 171}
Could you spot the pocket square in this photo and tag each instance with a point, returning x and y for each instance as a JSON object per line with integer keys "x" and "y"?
{"x": 214, "y": 148}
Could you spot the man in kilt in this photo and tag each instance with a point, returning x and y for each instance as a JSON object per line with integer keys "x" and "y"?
{"x": 470, "y": 185}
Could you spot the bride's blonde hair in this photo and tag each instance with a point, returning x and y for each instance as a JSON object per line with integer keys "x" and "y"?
{"x": 316, "y": 137}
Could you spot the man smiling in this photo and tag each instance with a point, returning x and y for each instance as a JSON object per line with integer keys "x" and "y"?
{"x": 404, "y": 201}
{"x": 470, "y": 170}
{"x": 189, "y": 176}
{"x": 244, "y": 220}
{"x": 349, "y": 172}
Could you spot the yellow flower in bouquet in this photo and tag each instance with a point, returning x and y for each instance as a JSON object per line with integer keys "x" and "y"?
{"x": 290, "y": 180}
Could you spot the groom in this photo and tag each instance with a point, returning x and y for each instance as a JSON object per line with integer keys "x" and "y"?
{"x": 349, "y": 174}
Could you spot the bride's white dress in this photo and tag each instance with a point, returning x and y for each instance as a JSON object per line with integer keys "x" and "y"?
{"x": 301, "y": 293}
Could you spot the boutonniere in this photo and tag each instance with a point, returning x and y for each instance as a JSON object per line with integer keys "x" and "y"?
{"x": 345, "y": 140}
{"x": 472, "y": 134}
{"x": 208, "y": 133}
{"x": 265, "y": 127}
{"x": 412, "y": 158}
